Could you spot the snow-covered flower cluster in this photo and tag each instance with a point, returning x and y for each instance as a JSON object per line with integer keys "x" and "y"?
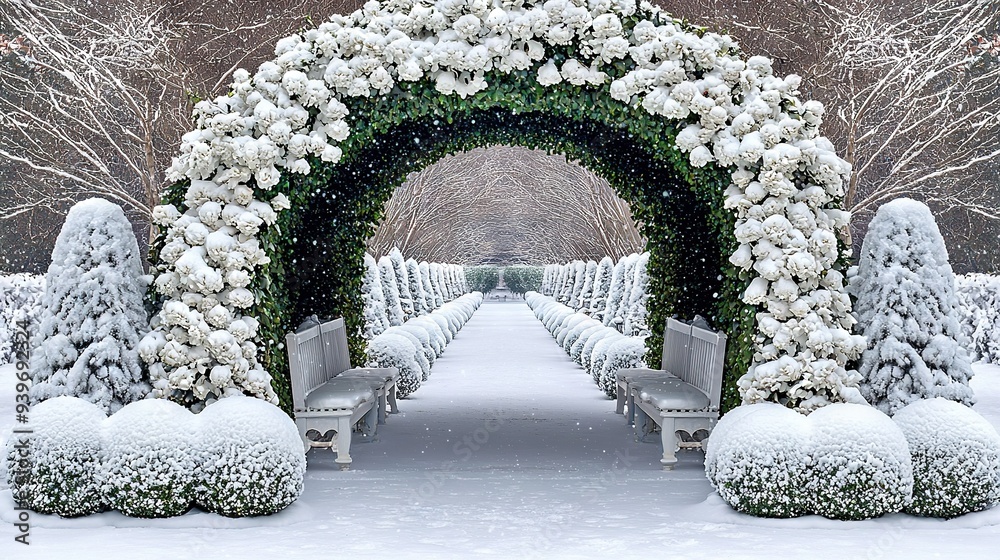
{"x": 92, "y": 313}
{"x": 956, "y": 458}
{"x": 601, "y": 350}
{"x": 20, "y": 300}
{"x": 412, "y": 347}
{"x": 614, "y": 294}
{"x": 155, "y": 458}
{"x": 908, "y": 311}
{"x": 844, "y": 461}
{"x": 735, "y": 113}
{"x": 395, "y": 290}
{"x": 979, "y": 315}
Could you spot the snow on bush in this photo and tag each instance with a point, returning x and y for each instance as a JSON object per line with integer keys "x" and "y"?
{"x": 599, "y": 295}
{"x": 576, "y": 351}
{"x": 860, "y": 465}
{"x": 56, "y": 469}
{"x": 843, "y": 461}
{"x": 757, "y": 460}
{"x": 376, "y": 314}
{"x": 151, "y": 462}
{"x": 599, "y": 356}
{"x": 390, "y": 288}
{"x": 979, "y": 315}
{"x": 573, "y": 333}
{"x": 424, "y": 337}
{"x": 420, "y": 351}
{"x": 251, "y": 459}
{"x": 583, "y": 293}
{"x": 956, "y": 458}
{"x": 430, "y": 298}
{"x": 626, "y": 353}
{"x": 92, "y": 315}
{"x": 402, "y": 283}
{"x": 634, "y": 314}
{"x": 416, "y": 288}
{"x": 20, "y": 300}
{"x": 616, "y": 290}
{"x": 907, "y": 309}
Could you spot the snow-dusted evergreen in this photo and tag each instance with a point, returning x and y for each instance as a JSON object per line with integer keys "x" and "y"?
{"x": 402, "y": 283}
{"x": 416, "y": 284}
{"x": 979, "y": 315}
{"x": 582, "y": 296}
{"x": 373, "y": 294}
{"x": 390, "y": 288}
{"x": 250, "y": 458}
{"x": 599, "y": 294}
{"x": 65, "y": 455}
{"x": 956, "y": 458}
{"x": 92, "y": 314}
{"x": 908, "y": 311}
{"x": 20, "y": 300}
{"x": 430, "y": 300}
{"x": 843, "y": 461}
{"x": 634, "y": 320}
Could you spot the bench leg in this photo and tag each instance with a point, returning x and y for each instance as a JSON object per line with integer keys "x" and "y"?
{"x": 620, "y": 404}
{"x": 642, "y": 425}
{"x": 392, "y": 399}
{"x": 306, "y": 442}
{"x": 630, "y": 402}
{"x": 369, "y": 423}
{"x": 344, "y": 442}
{"x": 382, "y": 397}
{"x": 668, "y": 437}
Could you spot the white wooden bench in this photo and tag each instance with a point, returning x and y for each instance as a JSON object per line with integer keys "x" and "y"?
{"x": 688, "y": 402}
{"x": 327, "y": 395}
{"x": 675, "y": 358}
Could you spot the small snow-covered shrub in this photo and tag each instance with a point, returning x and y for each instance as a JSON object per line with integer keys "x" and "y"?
{"x": 390, "y": 349}
{"x": 908, "y": 311}
{"x": 150, "y": 467}
{"x": 438, "y": 340}
{"x": 956, "y": 458}
{"x": 251, "y": 460}
{"x": 443, "y": 325}
{"x": 576, "y": 351}
{"x": 20, "y": 300}
{"x": 92, "y": 314}
{"x": 57, "y": 468}
{"x": 572, "y": 331}
{"x": 757, "y": 460}
{"x": 860, "y": 464}
{"x": 599, "y": 355}
{"x": 587, "y": 354}
{"x": 424, "y": 337}
{"x": 416, "y": 288}
{"x": 979, "y": 314}
{"x": 628, "y": 352}
{"x": 419, "y": 351}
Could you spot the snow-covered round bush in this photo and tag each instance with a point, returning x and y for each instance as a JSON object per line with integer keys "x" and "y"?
{"x": 424, "y": 337}
{"x": 627, "y": 352}
{"x": 420, "y": 351}
{"x": 576, "y": 351}
{"x": 860, "y": 464}
{"x": 757, "y": 460}
{"x": 92, "y": 314}
{"x": 599, "y": 355}
{"x": 573, "y": 332}
{"x": 391, "y": 349}
{"x": 151, "y": 462}
{"x": 908, "y": 311}
{"x": 251, "y": 459}
{"x": 956, "y": 458}
{"x": 438, "y": 340}
{"x": 57, "y": 468}
{"x": 588, "y": 352}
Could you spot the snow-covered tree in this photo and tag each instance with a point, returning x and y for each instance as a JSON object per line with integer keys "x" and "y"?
{"x": 430, "y": 300}
{"x": 908, "y": 310}
{"x": 620, "y": 288}
{"x": 435, "y": 279}
{"x": 587, "y": 292}
{"x": 402, "y": 282}
{"x": 635, "y": 310}
{"x": 93, "y": 315}
{"x": 394, "y": 310}
{"x": 416, "y": 285}
{"x": 376, "y": 317}
{"x": 602, "y": 281}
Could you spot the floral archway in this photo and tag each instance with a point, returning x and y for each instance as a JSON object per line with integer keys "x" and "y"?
{"x": 282, "y": 181}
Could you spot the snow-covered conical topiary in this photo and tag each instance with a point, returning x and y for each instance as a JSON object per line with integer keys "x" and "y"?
{"x": 416, "y": 285}
{"x": 376, "y": 318}
{"x": 61, "y": 471}
{"x": 599, "y": 294}
{"x": 582, "y": 295}
{"x": 393, "y": 307}
{"x": 430, "y": 302}
{"x": 402, "y": 282}
{"x": 634, "y": 322}
{"x": 93, "y": 315}
{"x": 907, "y": 309}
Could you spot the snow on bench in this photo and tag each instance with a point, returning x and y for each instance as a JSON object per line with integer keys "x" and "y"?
{"x": 328, "y": 395}
{"x": 682, "y": 397}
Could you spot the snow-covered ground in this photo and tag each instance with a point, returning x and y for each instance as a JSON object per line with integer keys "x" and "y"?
{"x": 508, "y": 451}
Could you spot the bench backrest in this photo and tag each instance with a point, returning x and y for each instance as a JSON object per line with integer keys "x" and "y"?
{"x": 316, "y": 355}
{"x": 675, "y": 347}
{"x": 707, "y": 355}
{"x": 338, "y": 356}
{"x": 307, "y": 365}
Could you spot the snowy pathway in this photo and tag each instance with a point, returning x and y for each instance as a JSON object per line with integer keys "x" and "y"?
{"x": 509, "y": 450}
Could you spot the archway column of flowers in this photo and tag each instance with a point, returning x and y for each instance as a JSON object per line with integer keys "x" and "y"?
{"x": 293, "y": 115}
